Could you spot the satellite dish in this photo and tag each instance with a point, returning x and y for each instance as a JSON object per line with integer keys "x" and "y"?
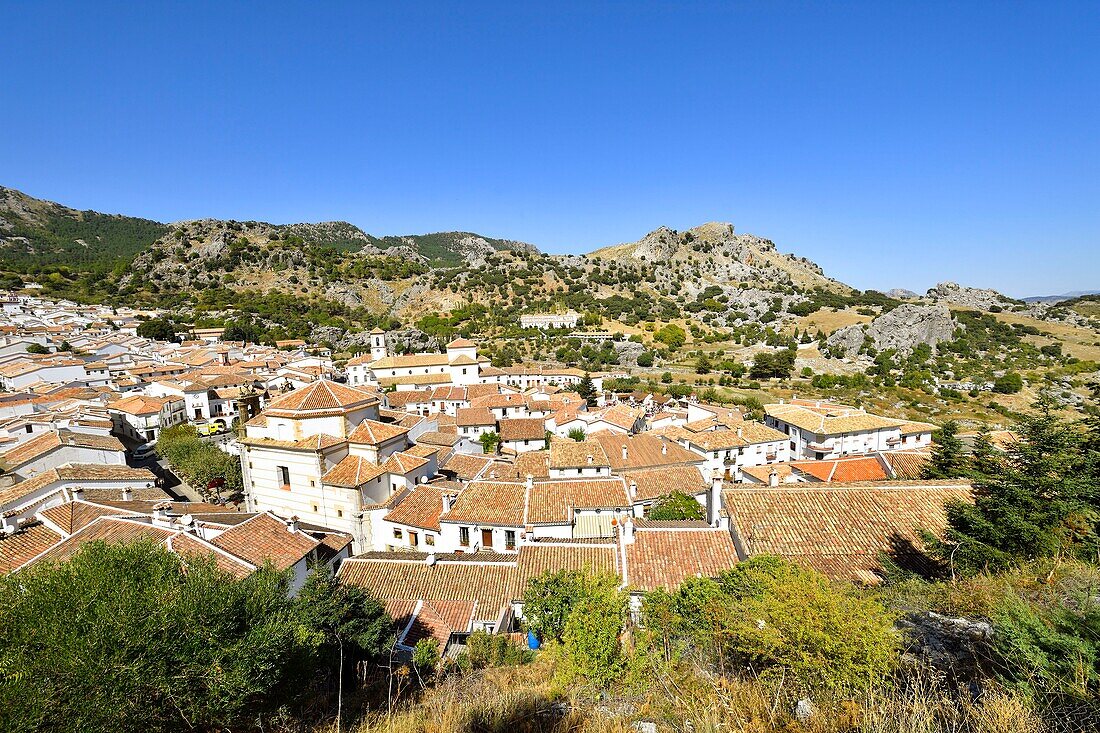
{"x": 187, "y": 520}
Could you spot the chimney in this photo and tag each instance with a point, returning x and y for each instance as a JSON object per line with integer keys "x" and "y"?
{"x": 773, "y": 478}
{"x": 448, "y": 502}
{"x": 160, "y": 511}
{"x": 530, "y": 482}
{"x": 740, "y": 431}
{"x": 738, "y": 475}
{"x": 625, "y": 452}
{"x": 633, "y": 489}
{"x": 628, "y": 530}
{"x": 664, "y": 446}
{"x": 716, "y": 481}
{"x": 292, "y": 524}
{"x": 127, "y": 494}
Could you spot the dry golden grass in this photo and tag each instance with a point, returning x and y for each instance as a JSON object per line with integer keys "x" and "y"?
{"x": 828, "y": 320}
{"x": 1076, "y": 340}
{"x": 524, "y": 700}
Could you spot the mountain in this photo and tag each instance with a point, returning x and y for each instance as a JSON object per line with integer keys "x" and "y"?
{"x": 1059, "y": 298}
{"x": 34, "y": 233}
{"x": 716, "y": 255}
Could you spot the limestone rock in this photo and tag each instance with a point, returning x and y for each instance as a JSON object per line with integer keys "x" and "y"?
{"x": 902, "y": 328}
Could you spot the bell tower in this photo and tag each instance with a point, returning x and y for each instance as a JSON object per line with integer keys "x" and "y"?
{"x": 378, "y": 344}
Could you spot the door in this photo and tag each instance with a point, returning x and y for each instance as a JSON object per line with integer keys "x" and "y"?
{"x": 486, "y": 538}
{"x": 414, "y": 539}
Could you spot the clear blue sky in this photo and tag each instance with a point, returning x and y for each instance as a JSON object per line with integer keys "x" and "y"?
{"x": 896, "y": 144}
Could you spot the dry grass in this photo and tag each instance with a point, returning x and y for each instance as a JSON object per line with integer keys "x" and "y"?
{"x": 828, "y": 320}
{"x": 1076, "y": 340}
{"x": 524, "y": 700}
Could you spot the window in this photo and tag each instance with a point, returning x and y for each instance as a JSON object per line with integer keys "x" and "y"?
{"x": 339, "y": 512}
{"x": 509, "y": 539}
{"x": 284, "y": 477}
{"x": 312, "y": 482}
{"x": 464, "y": 536}
{"x": 314, "y": 508}
{"x": 30, "y": 429}
{"x": 397, "y": 534}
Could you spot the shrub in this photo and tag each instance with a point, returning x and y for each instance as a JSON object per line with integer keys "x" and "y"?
{"x": 782, "y": 621}
{"x": 675, "y": 506}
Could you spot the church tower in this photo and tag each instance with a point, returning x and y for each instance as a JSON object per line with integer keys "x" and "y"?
{"x": 378, "y": 344}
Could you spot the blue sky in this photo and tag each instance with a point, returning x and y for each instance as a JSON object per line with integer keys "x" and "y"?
{"x": 896, "y": 144}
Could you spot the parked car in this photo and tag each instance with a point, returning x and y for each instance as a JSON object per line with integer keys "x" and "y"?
{"x": 144, "y": 452}
{"x": 214, "y": 427}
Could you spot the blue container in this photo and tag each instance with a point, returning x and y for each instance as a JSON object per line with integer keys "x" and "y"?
{"x": 532, "y": 640}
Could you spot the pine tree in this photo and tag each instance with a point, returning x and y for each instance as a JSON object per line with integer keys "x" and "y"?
{"x": 1042, "y": 500}
{"x": 949, "y": 456}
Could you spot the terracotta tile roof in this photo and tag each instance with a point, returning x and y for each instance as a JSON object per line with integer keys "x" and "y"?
{"x": 841, "y": 530}
{"x": 654, "y": 482}
{"x": 266, "y": 538}
{"x": 352, "y": 472}
{"x": 533, "y": 463}
{"x": 522, "y": 428}
{"x": 74, "y": 516}
{"x": 552, "y": 501}
{"x": 466, "y": 467}
{"x": 111, "y": 530}
{"x": 30, "y": 541}
{"x": 643, "y": 451}
{"x": 410, "y": 360}
{"x": 140, "y": 404}
{"x": 496, "y": 503}
{"x": 314, "y": 443}
{"x": 402, "y": 398}
{"x": 829, "y": 419}
{"x": 403, "y": 463}
{"x": 746, "y": 433}
{"x": 490, "y": 583}
{"x": 461, "y": 343}
{"x": 320, "y": 395}
{"x": 188, "y": 546}
{"x": 438, "y": 438}
{"x": 664, "y": 558}
{"x": 574, "y": 454}
{"x": 471, "y": 416}
{"x": 840, "y": 470}
{"x": 906, "y": 465}
{"x": 40, "y": 445}
{"x": 372, "y": 432}
{"x": 421, "y": 508}
{"x": 83, "y": 472}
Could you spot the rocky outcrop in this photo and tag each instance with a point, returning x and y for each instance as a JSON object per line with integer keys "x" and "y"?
{"x": 980, "y": 298}
{"x": 902, "y": 328}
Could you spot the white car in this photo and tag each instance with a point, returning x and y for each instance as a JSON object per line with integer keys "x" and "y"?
{"x": 144, "y": 452}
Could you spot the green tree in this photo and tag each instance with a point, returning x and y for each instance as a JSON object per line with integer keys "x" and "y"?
{"x": 675, "y": 506}
{"x": 586, "y": 388}
{"x": 645, "y": 359}
{"x": 949, "y": 459}
{"x": 671, "y": 336}
{"x": 158, "y": 329}
{"x": 592, "y": 651}
{"x": 36, "y": 348}
{"x": 121, "y": 639}
{"x": 550, "y": 598}
{"x": 577, "y": 434}
{"x": 489, "y": 441}
{"x": 702, "y": 364}
{"x": 1009, "y": 383}
{"x": 343, "y": 619}
{"x": 1041, "y": 500}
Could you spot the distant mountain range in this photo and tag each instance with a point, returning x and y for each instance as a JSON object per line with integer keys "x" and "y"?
{"x": 1059, "y": 298}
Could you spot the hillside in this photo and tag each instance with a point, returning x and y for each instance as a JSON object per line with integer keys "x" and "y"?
{"x": 36, "y": 233}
